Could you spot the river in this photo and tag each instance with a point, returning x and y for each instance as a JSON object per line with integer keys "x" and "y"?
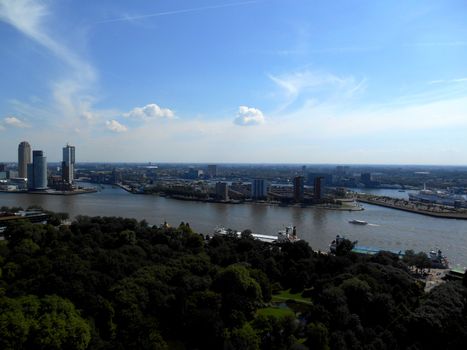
{"x": 388, "y": 228}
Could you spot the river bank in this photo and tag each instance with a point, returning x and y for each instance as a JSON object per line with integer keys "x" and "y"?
{"x": 415, "y": 207}
{"x": 345, "y": 204}
{"x": 51, "y": 192}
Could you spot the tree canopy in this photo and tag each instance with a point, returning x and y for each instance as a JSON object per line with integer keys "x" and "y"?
{"x": 116, "y": 283}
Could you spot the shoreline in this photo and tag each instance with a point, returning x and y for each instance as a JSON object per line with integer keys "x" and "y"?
{"x": 441, "y": 215}
{"x": 55, "y": 193}
{"x": 211, "y": 200}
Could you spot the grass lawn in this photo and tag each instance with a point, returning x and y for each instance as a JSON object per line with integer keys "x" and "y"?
{"x": 285, "y": 295}
{"x": 275, "y": 311}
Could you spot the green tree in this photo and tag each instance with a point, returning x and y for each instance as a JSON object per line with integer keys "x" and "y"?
{"x": 241, "y": 294}
{"x": 317, "y": 336}
{"x": 244, "y": 338}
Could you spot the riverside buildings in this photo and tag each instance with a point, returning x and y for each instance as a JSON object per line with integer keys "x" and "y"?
{"x": 222, "y": 191}
{"x": 24, "y": 158}
{"x": 37, "y": 171}
{"x": 68, "y": 164}
{"x": 298, "y": 189}
{"x": 259, "y": 189}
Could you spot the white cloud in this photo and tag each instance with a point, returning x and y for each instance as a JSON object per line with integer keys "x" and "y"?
{"x": 150, "y": 111}
{"x": 15, "y": 122}
{"x": 248, "y": 116}
{"x": 115, "y": 126}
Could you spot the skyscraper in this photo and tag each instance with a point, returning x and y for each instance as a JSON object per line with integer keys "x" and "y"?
{"x": 24, "y": 158}
{"x": 68, "y": 164}
{"x": 222, "y": 190}
{"x": 259, "y": 189}
{"x": 37, "y": 171}
{"x": 212, "y": 170}
{"x": 298, "y": 189}
{"x": 318, "y": 188}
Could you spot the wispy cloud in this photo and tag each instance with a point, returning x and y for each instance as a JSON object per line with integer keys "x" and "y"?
{"x": 71, "y": 92}
{"x": 448, "y": 81}
{"x": 439, "y": 44}
{"x": 346, "y": 49}
{"x": 15, "y": 122}
{"x": 130, "y": 18}
{"x": 320, "y": 86}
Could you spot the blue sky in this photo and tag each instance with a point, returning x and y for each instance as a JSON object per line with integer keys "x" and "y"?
{"x": 293, "y": 81}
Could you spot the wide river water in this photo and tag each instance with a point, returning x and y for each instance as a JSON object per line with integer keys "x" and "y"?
{"x": 388, "y": 228}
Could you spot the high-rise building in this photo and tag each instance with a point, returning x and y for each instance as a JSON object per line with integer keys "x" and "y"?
{"x": 37, "y": 171}
{"x": 212, "y": 170}
{"x": 318, "y": 188}
{"x": 326, "y": 181}
{"x": 24, "y": 158}
{"x": 68, "y": 164}
{"x": 298, "y": 188}
{"x": 222, "y": 190}
{"x": 259, "y": 189}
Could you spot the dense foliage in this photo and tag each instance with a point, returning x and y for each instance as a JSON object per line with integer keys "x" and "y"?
{"x": 113, "y": 283}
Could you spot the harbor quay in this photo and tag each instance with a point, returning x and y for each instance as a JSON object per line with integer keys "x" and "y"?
{"x": 430, "y": 209}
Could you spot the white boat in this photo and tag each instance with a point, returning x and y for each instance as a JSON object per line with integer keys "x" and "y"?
{"x": 289, "y": 234}
{"x": 358, "y": 222}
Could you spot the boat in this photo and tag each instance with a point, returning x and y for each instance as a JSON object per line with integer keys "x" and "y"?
{"x": 439, "y": 197}
{"x": 358, "y": 222}
{"x": 438, "y": 260}
{"x": 289, "y": 234}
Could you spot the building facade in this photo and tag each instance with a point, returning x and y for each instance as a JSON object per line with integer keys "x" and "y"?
{"x": 212, "y": 170}
{"x": 68, "y": 164}
{"x": 298, "y": 189}
{"x": 222, "y": 191}
{"x": 37, "y": 171}
{"x": 318, "y": 188}
{"x": 24, "y": 158}
{"x": 259, "y": 189}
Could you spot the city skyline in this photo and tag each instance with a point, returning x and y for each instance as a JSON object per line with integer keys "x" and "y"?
{"x": 265, "y": 81}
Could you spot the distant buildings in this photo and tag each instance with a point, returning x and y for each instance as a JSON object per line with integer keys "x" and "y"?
{"x": 222, "y": 191}
{"x": 194, "y": 174}
{"x": 259, "y": 189}
{"x": 37, "y": 171}
{"x": 24, "y": 158}
{"x": 318, "y": 188}
{"x": 212, "y": 170}
{"x": 68, "y": 164}
{"x": 327, "y": 179}
{"x": 298, "y": 189}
